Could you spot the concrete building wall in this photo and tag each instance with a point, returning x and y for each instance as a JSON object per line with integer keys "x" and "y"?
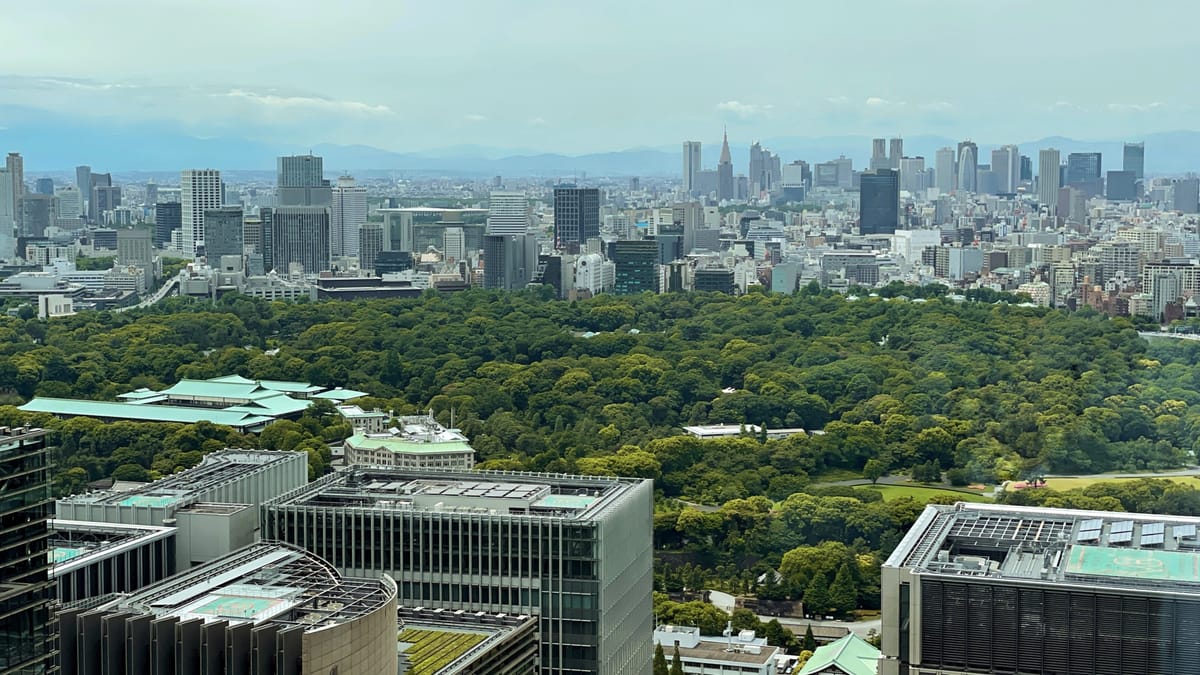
{"x": 365, "y": 646}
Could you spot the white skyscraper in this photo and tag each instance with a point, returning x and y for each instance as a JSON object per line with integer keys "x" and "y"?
{"x": 348, "y": 213}
{"x": 691, "y": 165}
{"x": 70, "y": 201}
{"x": 1048, "y": 184}
{"x": 199, "y": 191}
{"x": 8, "y": 215}
{"x": 454, "y": 243}
{"x": 945, "y": 176}
{"x": 508, "y": 213}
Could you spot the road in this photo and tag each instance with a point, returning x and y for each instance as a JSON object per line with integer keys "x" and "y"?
{"x": 161, "y": 293}
{"x": 726, "y": 603}
{"x": 1173, "y": 336}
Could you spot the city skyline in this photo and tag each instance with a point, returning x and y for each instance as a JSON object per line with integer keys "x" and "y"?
{"x": 337, "y": 92}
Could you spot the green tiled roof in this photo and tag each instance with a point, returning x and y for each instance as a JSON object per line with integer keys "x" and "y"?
{"x": 209, "y": 389}
{"x": 145, "y": 413}
{"x": 851, "y": 655}
{"x": 402, "y": 446}
{"x": 275, "y": 405}
{"x": 340, "y": 394}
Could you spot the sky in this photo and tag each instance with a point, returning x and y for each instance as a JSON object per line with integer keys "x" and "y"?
{"x": 572, "y": 77}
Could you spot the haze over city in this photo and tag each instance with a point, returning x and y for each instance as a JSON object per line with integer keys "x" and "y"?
{"x": 543, "y": 76}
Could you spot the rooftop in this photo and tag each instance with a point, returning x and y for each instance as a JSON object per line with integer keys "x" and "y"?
{"x": 438, "y": 640}
{"x": 265, "y": 582}
{"x": 851, "y": 655}
{"x": 238, "y": 419}
{"x": 741, "y": 647}
{"x": 461, "y": 491}
{"x": 215, "y": 469}
{"x": 1064, "y": 546}
{"x": 75, "y": 544}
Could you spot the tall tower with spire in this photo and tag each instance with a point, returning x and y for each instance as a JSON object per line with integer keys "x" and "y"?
{"x": 725, "y": 172}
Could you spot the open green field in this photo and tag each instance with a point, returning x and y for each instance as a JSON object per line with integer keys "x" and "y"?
{"x": 922, "y": 494}
{"x": 1084, "y": 481}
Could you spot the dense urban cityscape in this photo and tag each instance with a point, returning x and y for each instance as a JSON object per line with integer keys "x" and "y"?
{"x": 360, "y": 339}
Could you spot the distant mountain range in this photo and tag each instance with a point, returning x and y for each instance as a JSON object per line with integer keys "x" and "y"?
{"x": 57, "y": 149}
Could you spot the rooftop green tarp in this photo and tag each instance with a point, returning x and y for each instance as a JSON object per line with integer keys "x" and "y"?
{"x": 851, "y": 655}
{"x": 1134, "y": 563}
{"x": 145, "y": 413}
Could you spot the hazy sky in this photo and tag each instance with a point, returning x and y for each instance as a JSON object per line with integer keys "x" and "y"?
{"x": 585, "y": 76}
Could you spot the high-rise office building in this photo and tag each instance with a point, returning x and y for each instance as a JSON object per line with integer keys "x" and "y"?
{"x": 968, "y": 166}
{"x": 370, "y": 243}
{"x": 895, "y": 153}
{"x": 300, "y": 234}
{"x": 879, "y": 158}
{"x": 983, "y": 588}
{"x": 725, "y": 184}
{"x": 757, "y": 168}
{"x": 1187, "y": 195}
{"x": 574, "y": 551}
{"x": 70, "y": 201}
{"x": 96, "y": 180}
{"x": 1006, "y": 166}
{"x": 27, "y": 634}
{"x": 509, "y": 260}
{"x": 83, "y": 183}
{"x": 576, "y": 216}
{"x": 1084, "y": 172}
{"x": 199, "y": 191}
{"x": 879, "y": 202}
{"x": 913, "y": 175}
{"x": 1026, "y": 168}
{"x": 691, "y": 166}
{"x": 1120, "y": 186}
{"x": 44, "y": 186}
{"x": 508, "y": 213}
{"x": 1048, "y": 179}
{"x": 105, "y": 198}
{"x": 301, "y": 182}
{"x": 454, "y": 244}
{"x": 16, "y": 172}
{"x": 134, "y": 247}
{"x": 223, "y": 233}
{"x": 636, "y": 266}
{"x": 151, "y": 194}
{"x": 348, "y": 212}
{"x": 35, "y": 213}
{"x": 8, "y": 205}
{"x": 1134, "y": 159}
{"x": 168, "y": 217}
{"x": 944, "y": 173}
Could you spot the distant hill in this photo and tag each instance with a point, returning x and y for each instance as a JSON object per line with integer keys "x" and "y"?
{"x": 54, "y": 145}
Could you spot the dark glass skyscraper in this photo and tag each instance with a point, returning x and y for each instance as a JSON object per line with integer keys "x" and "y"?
{"x": 168, "y": 217}
{"x": 879, "y": 202}
{"x": 26, "y": 632}
{"x": 636, "y": 263}
{"x": 576, "y": 216}
{"x": 1135, "y": 159}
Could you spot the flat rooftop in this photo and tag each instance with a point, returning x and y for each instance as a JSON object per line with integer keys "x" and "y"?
{"x": 264, "y": 582}
{"x": 215, "y": 469}
{"x": 439, "y": 640}
{"x": 1093, "y": 548}
{"x": 75, "y": 543}
{"x": 460, "y": 491}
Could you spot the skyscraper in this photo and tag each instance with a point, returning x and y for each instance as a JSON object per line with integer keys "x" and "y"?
{"x": 576, "y": 215}
{"x": 223, "y": 233}
{"x": 370, "y": 243}
{"x": 26, "y": 591}
{"x": 199, "y": 191}
{"x": 879, "y": 202}
{"x": 96, "y": 180}
{"x": 70, "y": 201}
{"x": 758, "y": 177}
{"x": 895, "y": 153}
{"x": 8, "y": 205}
{"x": 1187, "y": 195}
{"x": 1135, "y": 159}
{"x": 968, "y": 166}
{"x": 16, "y": 172}
{"x": 725, "y": 186}
{"x": 509, "y": 260}
{"x": 1048, "y": 175}
{"x": 508, "y": 213}
{"x": 348, "y": 213}
{"x": 1006, "y": 165}
{"x": 1083, "y": 168}
{"x": 879, "y": 158}
{"x": 44, "y": 186}
{"x": 691, "y": 165}
{"x": 300, "y": 234}
{"x": 105, "y": 199}
{"x": 83, "y": 182}
{"x": 944, "y": 170}
{"x": 300, "y": 182}
{"x": 168, "y": 217}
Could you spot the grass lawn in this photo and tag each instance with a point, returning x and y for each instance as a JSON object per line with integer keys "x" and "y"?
{"x": 1072, "y": 483}
{"x": 921, "y": 494}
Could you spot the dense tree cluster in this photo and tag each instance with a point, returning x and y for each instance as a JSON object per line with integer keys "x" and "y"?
{"x": 911, "y": 380}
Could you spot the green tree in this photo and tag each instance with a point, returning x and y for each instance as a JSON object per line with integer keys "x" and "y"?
{"x": 676, "y": 663}
{"x": 660, "y": 661}
{"x": 816, "y": 596}
{"x": 810, "y": 642}
{"x": 843, "y": 594}
{"x": 873, "y": 470}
